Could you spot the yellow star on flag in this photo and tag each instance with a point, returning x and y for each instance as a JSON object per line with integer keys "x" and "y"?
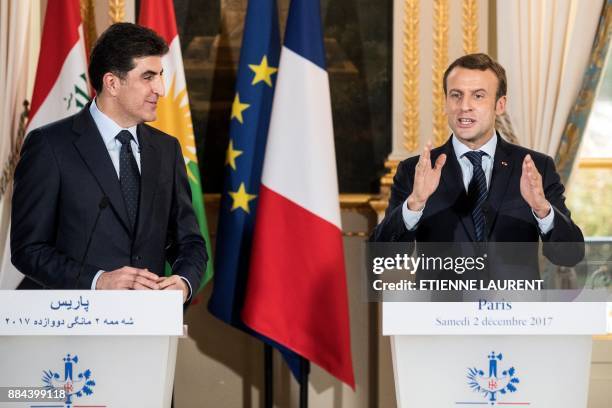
{"x": 238, "y": 108}
{"x": 230, "y": 158}
{"x": 263, "y": 72}
{"x": 241, "y": 198}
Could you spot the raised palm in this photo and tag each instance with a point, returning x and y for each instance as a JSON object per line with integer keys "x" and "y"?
{"x": 532, "y": 189}
{"x": 426, "y": 178}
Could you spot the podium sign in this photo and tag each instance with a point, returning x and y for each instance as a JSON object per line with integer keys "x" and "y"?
{"x": 92, "y": 348}
{"x": 459, "y": 354}
{"x": 498, "y": 318}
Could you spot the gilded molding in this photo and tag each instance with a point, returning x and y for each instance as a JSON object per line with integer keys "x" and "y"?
{"x": 410, "y": 86}
{"x": 440, "y": 62}
{"x": 387, "y": 179}
{"x": 357, "y": 203}
{"x": 470, "y": 26}
{"x": 88, "y": 15}
{"x": 595, "y": 163}
{"x": 116, "y": 11}
{"x": 347, "y": 201}
{"x": 380, "y": 203}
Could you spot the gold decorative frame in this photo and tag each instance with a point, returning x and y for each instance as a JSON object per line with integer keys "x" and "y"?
{"x": 358, "y": 203}
{"x": 440, "y": 62}
{"x": 116, "y": 11}
{"x": 595, "y": 163}
{"x": 88, "y": 15}
{"x": 410, "y": 86}
{"x": 470, "y": 26}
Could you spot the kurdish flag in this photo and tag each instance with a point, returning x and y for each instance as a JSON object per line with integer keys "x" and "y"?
{"x": 296, "y": 293}
{"x": 173, "y": 113}
{"x": 61, "y": 86}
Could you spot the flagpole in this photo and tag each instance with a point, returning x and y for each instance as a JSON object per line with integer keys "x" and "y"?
{"x": 304, "y": 372}
{"x": 268, "y": 377}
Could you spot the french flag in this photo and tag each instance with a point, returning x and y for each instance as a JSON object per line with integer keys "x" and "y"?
{"x": 296, "y": 293}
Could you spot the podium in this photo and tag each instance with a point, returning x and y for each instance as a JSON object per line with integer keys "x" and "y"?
{"x": 88, "y": 348}
{"x": 494, "y": 354}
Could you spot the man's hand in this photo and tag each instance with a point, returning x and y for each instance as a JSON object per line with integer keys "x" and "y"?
{"x": 426, "y": 179}
{"x": 532, "y": 189}
{"x": 128, "y": 278}
{"x": 174, "y": 282}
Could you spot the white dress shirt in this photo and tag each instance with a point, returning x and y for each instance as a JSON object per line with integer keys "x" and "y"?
{"x": 412, "y": 218}
{"x": 108, "y": 129}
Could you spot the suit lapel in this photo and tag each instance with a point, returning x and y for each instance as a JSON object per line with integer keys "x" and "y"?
{"x": 95, "y": 154}
{"x": 453, "y": 181}
{"x": 503, "y": 165}
{"x": 149, "y": 171}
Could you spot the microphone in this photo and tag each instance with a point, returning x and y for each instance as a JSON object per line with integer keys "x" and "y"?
{"x": 101, "y": 206}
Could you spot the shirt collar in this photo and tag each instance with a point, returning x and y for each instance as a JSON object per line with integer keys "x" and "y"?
{"x": 488, "y": 148}
{"x": 108, "y": 128}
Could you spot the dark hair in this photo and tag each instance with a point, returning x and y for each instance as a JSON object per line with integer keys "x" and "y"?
{"x": 481, "y": 62}
{"x": 117, "y": 47}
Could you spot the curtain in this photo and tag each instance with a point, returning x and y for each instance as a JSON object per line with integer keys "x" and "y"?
{"x": 16, "y": 49}
{"x": 544, "y": 46}
{"x": 577, "y": 120}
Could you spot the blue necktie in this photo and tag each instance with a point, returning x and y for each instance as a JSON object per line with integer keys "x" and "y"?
{"x": 129, "y": 176}
{"x": 477, "y": 192}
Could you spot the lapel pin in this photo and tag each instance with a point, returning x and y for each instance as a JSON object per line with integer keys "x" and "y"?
{"x": 503, "y": 163}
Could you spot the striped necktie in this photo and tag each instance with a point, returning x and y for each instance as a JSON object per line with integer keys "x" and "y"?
{"x": 477, "y": 192}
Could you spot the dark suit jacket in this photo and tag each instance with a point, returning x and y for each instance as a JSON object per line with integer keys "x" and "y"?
{"x": 447, "y": 214}
{"x": 64, "y": 173}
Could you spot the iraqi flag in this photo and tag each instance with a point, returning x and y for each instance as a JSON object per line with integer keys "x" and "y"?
{"x": 61, "y": 87}
{"x": 173, "y": 112}
{"x": 296, "y": 293}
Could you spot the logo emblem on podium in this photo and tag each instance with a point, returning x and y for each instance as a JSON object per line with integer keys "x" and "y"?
{"x": 495, "y": 382}
{"x": 75, "y": 384}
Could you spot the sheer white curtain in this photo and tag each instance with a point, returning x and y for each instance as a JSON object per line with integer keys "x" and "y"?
{"x": 544, "y": 46}
{"x": 16, "y": 49}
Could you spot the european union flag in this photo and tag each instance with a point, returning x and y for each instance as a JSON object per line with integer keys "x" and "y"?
{"x": 250, "y": 119}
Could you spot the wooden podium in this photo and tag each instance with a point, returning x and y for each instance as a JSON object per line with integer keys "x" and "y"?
{"x": 521, "y": 354}
{"x": 102, "y": 348}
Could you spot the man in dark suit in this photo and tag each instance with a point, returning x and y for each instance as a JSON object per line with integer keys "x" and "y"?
{"x": 103, "y": 175}
{"x": 478, "y": 187}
